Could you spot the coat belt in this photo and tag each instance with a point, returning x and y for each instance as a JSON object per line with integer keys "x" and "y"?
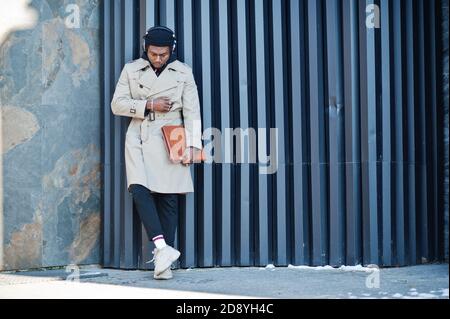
{"x": 167, "y": 116}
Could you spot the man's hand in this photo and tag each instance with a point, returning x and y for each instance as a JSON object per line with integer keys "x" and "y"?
{"x": 160, "y": 104}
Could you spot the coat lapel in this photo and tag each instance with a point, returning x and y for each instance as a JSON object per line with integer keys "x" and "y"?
{"x": 148, "y": 78}
{"x": 165, "y": 81}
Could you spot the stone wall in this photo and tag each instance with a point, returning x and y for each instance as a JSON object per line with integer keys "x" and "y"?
{"x": 50, "y": 180}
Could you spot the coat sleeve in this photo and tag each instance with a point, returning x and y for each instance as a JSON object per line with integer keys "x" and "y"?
{"x": 191, "y": 113}
{"x": 122, "y": 103}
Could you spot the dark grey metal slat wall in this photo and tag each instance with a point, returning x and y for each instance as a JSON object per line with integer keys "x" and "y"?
{"x": 358, "y": 118}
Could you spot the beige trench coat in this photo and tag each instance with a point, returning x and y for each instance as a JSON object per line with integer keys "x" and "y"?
{"x": 146, "y": 158}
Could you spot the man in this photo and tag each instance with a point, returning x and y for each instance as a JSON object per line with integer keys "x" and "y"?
{"x": 158, "y": 90}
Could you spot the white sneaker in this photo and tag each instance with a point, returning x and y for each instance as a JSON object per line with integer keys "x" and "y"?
{"x": 163, "y": 258}
{"x": 167, "y": 274}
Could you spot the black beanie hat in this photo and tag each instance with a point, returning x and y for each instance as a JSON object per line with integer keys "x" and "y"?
{"x": 159, "y": 36}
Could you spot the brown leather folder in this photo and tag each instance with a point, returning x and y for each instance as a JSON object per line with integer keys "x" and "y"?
{"x": 175, "y": 140}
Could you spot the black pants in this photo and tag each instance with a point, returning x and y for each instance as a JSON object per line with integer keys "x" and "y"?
{"x": 158, "y": 212}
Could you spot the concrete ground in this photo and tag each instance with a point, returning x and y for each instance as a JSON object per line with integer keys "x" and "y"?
{"x": 424, "y": 281}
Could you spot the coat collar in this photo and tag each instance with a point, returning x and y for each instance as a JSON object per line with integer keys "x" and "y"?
{"x": 141, "y": 64}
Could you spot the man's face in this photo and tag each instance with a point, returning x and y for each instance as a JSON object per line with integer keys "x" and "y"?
{"x": 158, "y": 55}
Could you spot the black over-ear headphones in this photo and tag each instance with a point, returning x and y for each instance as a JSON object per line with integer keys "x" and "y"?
{"x": 160, "y": 28}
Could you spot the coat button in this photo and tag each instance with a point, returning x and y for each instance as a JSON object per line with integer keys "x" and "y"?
{"x": 141, "y": 86}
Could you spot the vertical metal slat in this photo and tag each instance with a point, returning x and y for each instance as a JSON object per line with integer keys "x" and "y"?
{"x": 278, "y": 61}
{"x": 263, "y": 212}
{"x": 317, "y": 123}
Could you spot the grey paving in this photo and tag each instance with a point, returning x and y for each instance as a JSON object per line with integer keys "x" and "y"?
{"x": 424, "y": 281}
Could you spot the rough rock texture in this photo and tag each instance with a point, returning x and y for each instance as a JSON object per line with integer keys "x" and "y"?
{"x": 50, "y": 139}
{"x": 19, "y": 126}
